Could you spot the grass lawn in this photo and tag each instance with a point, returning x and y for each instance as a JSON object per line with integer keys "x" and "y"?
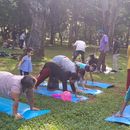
{"x": 87, "y": 115}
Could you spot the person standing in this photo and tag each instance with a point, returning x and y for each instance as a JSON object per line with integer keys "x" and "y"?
{"x": 79, "y": 49}
{"x": 22, "y": 39}
{"x": 103, "y": 48}
{"x": 127, "y": 94}
{"x": 14, "y": 37}
{"x": 116, "y": 49}
{"x": 25, "y": 64}
{"x": 128, "y": 68}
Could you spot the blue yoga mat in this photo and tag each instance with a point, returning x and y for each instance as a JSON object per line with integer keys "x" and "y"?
{"x": 90, "y": 91}
{"x": 85, "y": 91}
{"x": 23, "y": 109}
{"x": 124, "y": 120}
{"x": 98, "y": 84}
{"x": 43, "y": 91}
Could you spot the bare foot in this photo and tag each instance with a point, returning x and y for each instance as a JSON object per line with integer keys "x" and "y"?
{"x": 86, "y": 88}
{"x": 18, "y": 116}
{"x": 118, "y": 115}
{"x": 79, "y": 91}
{"x": 78, "y": 96}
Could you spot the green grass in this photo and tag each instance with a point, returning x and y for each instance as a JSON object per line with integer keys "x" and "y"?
{"x": 87, "y": 115}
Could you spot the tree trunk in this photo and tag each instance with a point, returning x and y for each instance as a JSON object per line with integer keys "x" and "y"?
{"x": 85, "y": 30}
{"x": 112, "y": 21}
{"x": 36, "y": 37}
{"x": 61, "y": 39}
{"x": 37, "y": 10}
{"x": 128, "y": 34}
{"x": 110, "y": 13}
{"x": 71, "y": 34}
{"x": 52, "y": 39}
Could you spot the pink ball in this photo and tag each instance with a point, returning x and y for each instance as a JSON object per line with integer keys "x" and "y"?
{"x": 66, "y": 96}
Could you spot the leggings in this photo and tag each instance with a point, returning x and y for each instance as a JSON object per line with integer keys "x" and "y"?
{"x": 45, "y": 72}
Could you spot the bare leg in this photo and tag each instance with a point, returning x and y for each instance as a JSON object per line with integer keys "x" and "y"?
{"x": 120, "y": 114}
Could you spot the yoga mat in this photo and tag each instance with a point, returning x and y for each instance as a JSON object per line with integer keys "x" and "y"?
{"x": 90, "y": 91}
{"x": 85, "y": 91}
{"x": 124, "y": 120}
{"x": 43, "y": 91}
{"x": 23, "y": 109}
{"x": 98, "y": 84}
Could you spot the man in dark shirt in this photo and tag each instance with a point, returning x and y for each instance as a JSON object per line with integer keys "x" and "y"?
{"x": 52, "y": 70}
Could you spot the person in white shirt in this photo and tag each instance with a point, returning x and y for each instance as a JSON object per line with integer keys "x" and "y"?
{"x": 79, "y": 49}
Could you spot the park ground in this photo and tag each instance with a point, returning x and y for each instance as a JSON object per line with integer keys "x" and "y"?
{"x": 88, "y": 115}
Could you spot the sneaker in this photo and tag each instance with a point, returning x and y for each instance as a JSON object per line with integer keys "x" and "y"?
{"x": 97, "y": 71}
{"x": 113, "y": 71}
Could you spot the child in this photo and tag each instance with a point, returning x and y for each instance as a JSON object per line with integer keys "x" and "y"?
{"x": 25, "y": 64}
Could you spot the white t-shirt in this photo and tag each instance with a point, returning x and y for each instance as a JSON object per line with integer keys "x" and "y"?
{"x": 9, "y": 83}
{"x": 22, "y": 36}
{"x": 80, "y": 45}
{"x": 65, "y": 63}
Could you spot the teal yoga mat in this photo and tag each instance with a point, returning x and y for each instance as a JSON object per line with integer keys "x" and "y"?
{"x": 99, "y": 84}
{"x": 23, "y": 109}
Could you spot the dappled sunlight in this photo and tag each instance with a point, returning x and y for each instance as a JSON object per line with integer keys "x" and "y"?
{"x": 40, "y": 125}
{"x": 8, "y": 64}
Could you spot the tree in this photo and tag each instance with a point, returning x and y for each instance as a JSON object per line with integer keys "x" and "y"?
{"x": 37, "y": 10}
{"x": 110, "y": 13}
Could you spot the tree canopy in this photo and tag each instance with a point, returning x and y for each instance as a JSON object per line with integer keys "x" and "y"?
{"x": 64, "y": 21}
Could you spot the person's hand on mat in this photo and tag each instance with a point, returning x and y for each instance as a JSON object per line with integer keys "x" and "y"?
{"x": 86, "y": 88}
{"x": 79, "y": 91}
{"x": 35, "y": 88}
{"x": 118, "y": 115}
{"x": 18, "y": 116}
{"x": 78, "y": 96}
{"x": 35, "y": 108}
{"x": 92, "y": 80}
